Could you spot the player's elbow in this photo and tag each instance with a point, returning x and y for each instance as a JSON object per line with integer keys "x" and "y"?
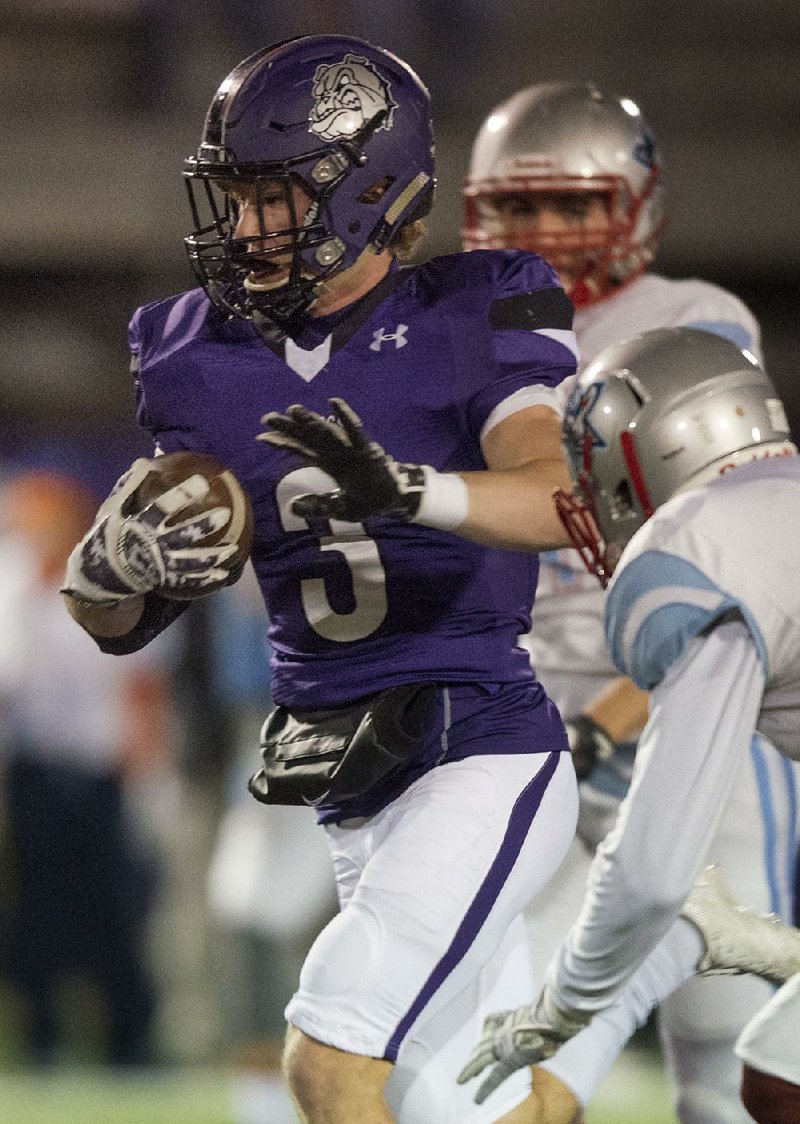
{"x": 653, "y": 904}
{"x": 651, "y": 899}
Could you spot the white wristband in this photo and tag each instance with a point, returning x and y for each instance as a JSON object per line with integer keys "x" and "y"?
{"x": 445, "y": 500}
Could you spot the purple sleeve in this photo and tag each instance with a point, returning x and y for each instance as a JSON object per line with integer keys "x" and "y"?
{"x": 159, "y": 612}
{"x": 134, "y": 343}
{"x": 167, "y": 439}
{"x": 533, "y": 344}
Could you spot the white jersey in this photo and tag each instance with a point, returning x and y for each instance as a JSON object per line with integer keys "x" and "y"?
{"x": 567, "y": 645}
{"x": 704, "y": 612}
{"x": 769, "y": 1041}
{"x": 729, "y": 548}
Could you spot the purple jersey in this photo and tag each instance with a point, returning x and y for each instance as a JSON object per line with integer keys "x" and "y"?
{"x": 452, "y": 346}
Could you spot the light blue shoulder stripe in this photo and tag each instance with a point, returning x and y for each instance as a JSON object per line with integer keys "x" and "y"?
{"x": 728, "y": 329}
{"x": 777, "y": 797}
{"x": 658, "y": 603}
{"x": 792, "y": 857}
{"x": 766, "y": 802}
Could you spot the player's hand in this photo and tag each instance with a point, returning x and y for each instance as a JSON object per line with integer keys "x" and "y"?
{"x": 128, "y": 553}
{"x": 369, "y": 482}
{"x": 515, "y": 1039}
{"x": 589, "y": 743}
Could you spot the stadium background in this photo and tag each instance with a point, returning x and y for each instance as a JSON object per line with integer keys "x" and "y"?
{"x": 103, "y": 98}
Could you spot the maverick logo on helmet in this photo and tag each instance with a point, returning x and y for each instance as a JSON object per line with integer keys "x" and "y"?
{"x": 349, "y": 94}
{"x": 644, "y": 151}
{"x": 579, "y": 434}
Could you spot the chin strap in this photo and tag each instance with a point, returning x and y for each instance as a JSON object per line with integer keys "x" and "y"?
{"x": 274, "y": 329}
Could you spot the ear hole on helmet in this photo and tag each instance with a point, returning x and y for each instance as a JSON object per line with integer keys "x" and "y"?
{"x": 376, "y": 192}
{"x": 623, "y": 499}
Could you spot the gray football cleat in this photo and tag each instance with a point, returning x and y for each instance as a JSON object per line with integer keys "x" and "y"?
{"x": 738, "y": 939}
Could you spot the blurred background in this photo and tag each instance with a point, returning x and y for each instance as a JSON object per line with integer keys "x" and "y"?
{"x": 102, "y": 100}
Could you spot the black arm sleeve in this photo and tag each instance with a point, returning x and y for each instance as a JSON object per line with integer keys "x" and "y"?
{"x": 158, "y": 614}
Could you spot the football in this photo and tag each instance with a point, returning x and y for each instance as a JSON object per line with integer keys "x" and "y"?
{"x": 225, "y": 491}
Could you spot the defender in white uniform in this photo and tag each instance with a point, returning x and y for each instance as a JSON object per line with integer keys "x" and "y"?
{"x": 574, "y": 174}
{"x": 703, "y": 613}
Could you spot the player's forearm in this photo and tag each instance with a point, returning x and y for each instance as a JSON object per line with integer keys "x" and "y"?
{"x": 106, "y": 620}
{"x": 514, "y": 508}
{"x": 621, "y": 709}
{"x": 699, "y": 732}
{"x": 584, "y": 1061}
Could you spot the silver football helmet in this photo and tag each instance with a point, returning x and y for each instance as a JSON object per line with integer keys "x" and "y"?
{"x": 569, "y": 138}
{"x": 651, "y": 415}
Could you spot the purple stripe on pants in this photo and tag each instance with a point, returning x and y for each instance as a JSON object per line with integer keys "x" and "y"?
{"x": 522, "y": 815}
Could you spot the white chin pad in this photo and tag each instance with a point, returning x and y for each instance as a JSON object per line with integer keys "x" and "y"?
{"x": 254, "y": 286}
{"x": 263, "y": 286}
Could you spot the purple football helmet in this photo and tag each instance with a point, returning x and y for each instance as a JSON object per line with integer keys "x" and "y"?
{"x": 351, "y": 124}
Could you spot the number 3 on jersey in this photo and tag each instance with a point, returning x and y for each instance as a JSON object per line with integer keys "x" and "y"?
{"x": 360, "y": 556}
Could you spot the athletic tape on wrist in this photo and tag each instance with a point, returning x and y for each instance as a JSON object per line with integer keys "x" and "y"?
{"x": 445, "y": 500}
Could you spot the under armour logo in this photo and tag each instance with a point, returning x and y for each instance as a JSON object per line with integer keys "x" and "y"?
{"x": 380, "y": 337}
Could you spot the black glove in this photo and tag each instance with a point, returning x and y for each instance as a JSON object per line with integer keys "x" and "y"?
{"x": 588, "y": 743}
{"x": 369, "y": 481}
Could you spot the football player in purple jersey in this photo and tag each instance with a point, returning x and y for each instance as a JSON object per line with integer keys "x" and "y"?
{"x": 396, "y": 585}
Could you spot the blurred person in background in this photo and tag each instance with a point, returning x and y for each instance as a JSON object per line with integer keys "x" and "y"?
{"x": 575, "y": 174}
{"x": 75, "y": 727}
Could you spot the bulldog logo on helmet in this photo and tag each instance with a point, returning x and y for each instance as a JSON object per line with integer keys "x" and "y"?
{"x": 348, "y": 95}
